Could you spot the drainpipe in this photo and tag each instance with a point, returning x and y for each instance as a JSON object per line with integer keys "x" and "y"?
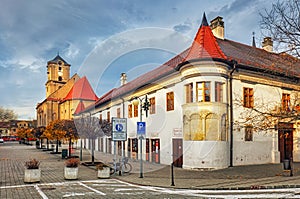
{"x": 231, "y": 111}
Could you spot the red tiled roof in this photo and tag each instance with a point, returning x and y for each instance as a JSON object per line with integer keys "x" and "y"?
{"x": 260, "y": 59}
{"x": 79, "y": 108}
{"x": 205, "y": 44}
{"x": 81, "y": 90}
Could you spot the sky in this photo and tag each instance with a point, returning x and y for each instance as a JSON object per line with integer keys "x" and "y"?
{"x": 103, "y": 38}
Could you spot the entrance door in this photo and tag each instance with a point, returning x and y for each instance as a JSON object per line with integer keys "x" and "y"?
{"x": 147, "y": 150}
{"x": 177, "y": 153}
{"x": 155, "y": 153}
{"x": 285, "y": 142}
{"x": 134, "y": 151}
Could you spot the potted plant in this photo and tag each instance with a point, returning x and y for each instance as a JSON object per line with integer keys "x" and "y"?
{"x": 103, "y": 170}
{"x": 71, "y": 169}
{"x": 32, "y": 171}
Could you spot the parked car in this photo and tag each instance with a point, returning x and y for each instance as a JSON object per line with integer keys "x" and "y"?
{"x": 1, "y": 140}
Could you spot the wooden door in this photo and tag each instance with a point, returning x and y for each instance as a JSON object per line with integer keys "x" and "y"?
{"x": 285, "y": 142}
{"x": 155, "y": 150}
{"x": 147, "y": 150}
{"x": 177, "y": 153}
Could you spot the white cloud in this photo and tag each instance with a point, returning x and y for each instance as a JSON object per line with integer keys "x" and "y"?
{"x": 96, "y": 34}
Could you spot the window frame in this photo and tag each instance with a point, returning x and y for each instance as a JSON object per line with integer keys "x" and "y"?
{"x": 286, "y": 101}
{"x": 189, "y": 93}
{"x": 219, "y": 91}
{"x": 129, "y": 110}
{"x": 248, "y": 97}
{"x": 170, "y": 101}
{"x": 152, "y": 105}
{"x": 135, "y": 110}
{"x": 204, "y": 88}
{"x": 248, "y": 133}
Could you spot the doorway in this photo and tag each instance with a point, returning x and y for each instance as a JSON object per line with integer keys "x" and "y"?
{"x": 177, "y": 152}
{"x": 285, "y": 143}
{"x": 155, "y": 151}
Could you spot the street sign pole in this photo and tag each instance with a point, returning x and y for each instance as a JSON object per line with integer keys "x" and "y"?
{"x": 119, "y": 133}
{"x": 141, "y": 156}
{"x": 141, "y": 131}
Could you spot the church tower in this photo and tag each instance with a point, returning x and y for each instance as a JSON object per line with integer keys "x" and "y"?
{"x": 58, "y": 72}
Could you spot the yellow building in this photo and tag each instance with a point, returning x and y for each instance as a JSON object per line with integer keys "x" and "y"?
{"x": 64, "y": 94}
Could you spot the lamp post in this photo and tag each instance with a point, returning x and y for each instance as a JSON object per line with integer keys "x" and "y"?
{"x": 145, "y": 107}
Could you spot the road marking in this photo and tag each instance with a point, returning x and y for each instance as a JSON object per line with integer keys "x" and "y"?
{"x": 40, "y": 192}
{"x": 90, "y": 188}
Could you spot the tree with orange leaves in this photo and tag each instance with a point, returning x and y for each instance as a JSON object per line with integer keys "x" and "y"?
{"x": 60, "y": 129}
{"x": 54, "y": 132}
{"x": 25, "y": 133}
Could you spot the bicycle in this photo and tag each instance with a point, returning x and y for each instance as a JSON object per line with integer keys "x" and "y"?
{"x": 124, "y": 166}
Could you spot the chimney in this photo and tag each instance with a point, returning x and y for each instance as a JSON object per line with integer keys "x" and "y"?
{"x": 267, "y": 44}
{"x": 217, "y": 27}
{"x": 123, "y": 79}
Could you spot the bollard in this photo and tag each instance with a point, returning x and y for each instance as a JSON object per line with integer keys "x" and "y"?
{"x": 291, "y": 166}
{"x": 172, "y": 174}
{"x": 287, "y": 165}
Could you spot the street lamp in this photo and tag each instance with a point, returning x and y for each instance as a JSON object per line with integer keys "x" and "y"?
{"x": 139, "y": 101}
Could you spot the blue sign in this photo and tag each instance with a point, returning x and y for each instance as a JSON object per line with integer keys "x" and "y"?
{"x": 141, "y": 128}
{"x": 119, "y": 127}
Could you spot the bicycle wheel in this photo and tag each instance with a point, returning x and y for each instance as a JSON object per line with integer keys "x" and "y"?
{"x": 112, "y": 170}
{"x": 126, "y": 167}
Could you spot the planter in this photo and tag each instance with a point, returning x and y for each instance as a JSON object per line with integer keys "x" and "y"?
{"x": 71, "y": 173}
{"x": 32, "y": 175}
{"x": 104, "y": 173}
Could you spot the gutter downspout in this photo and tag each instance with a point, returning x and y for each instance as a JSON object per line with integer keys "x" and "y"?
{"x": 231, "y": 111}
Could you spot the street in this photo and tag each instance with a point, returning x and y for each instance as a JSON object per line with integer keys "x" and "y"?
{"x": 112, "y": 188}
{"x": 53, "y": 185}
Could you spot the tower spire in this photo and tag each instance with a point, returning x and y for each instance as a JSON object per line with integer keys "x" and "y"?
{"x": 204, "y": 21}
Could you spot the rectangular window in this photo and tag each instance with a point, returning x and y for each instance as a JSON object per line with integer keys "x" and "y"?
{"x": 130, "y": 111}
{"x": 248, "y": 133}
{"x": 100, "y": 118}
{"x": 285, "y": 101}
{"x": 152, "y": 105}
{"x": 118, "y": 112}
{"x": 248, "y": 98}
{"x": 108, "y": 116}
{"x": 189, "y": 93}
{"x": 170, "y": 101}
{"x": 136, "y": 110}
{"x": 203, "y": 91}
{"x": 219, "y": 92}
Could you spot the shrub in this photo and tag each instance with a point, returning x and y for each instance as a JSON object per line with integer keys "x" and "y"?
{"x": 32, "y": 164}
{"x": 72, "y": 162}
{"x": 100, "y": 166}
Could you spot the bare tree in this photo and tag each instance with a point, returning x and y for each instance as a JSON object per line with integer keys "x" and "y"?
{"x": 7, "y": 114}
{"x": 89, "y": 127}
{"x": 267, "y": 115}
{"x": 282, "y": 23}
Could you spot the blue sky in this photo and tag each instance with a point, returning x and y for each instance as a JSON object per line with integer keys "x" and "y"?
{"x": 101, "y": 39}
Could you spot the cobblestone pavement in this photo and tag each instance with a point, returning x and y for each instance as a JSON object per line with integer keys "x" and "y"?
{"x": 53, "y": 184}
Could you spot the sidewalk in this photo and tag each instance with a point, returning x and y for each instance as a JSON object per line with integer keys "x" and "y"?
{"x": 237, "y": 177}
{"x": 12, "y": 160}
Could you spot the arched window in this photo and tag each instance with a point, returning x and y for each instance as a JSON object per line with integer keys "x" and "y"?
{"x": 211, "y": 127}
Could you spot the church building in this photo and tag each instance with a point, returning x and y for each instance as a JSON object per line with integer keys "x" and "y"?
{"x": 65, "y": 95}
